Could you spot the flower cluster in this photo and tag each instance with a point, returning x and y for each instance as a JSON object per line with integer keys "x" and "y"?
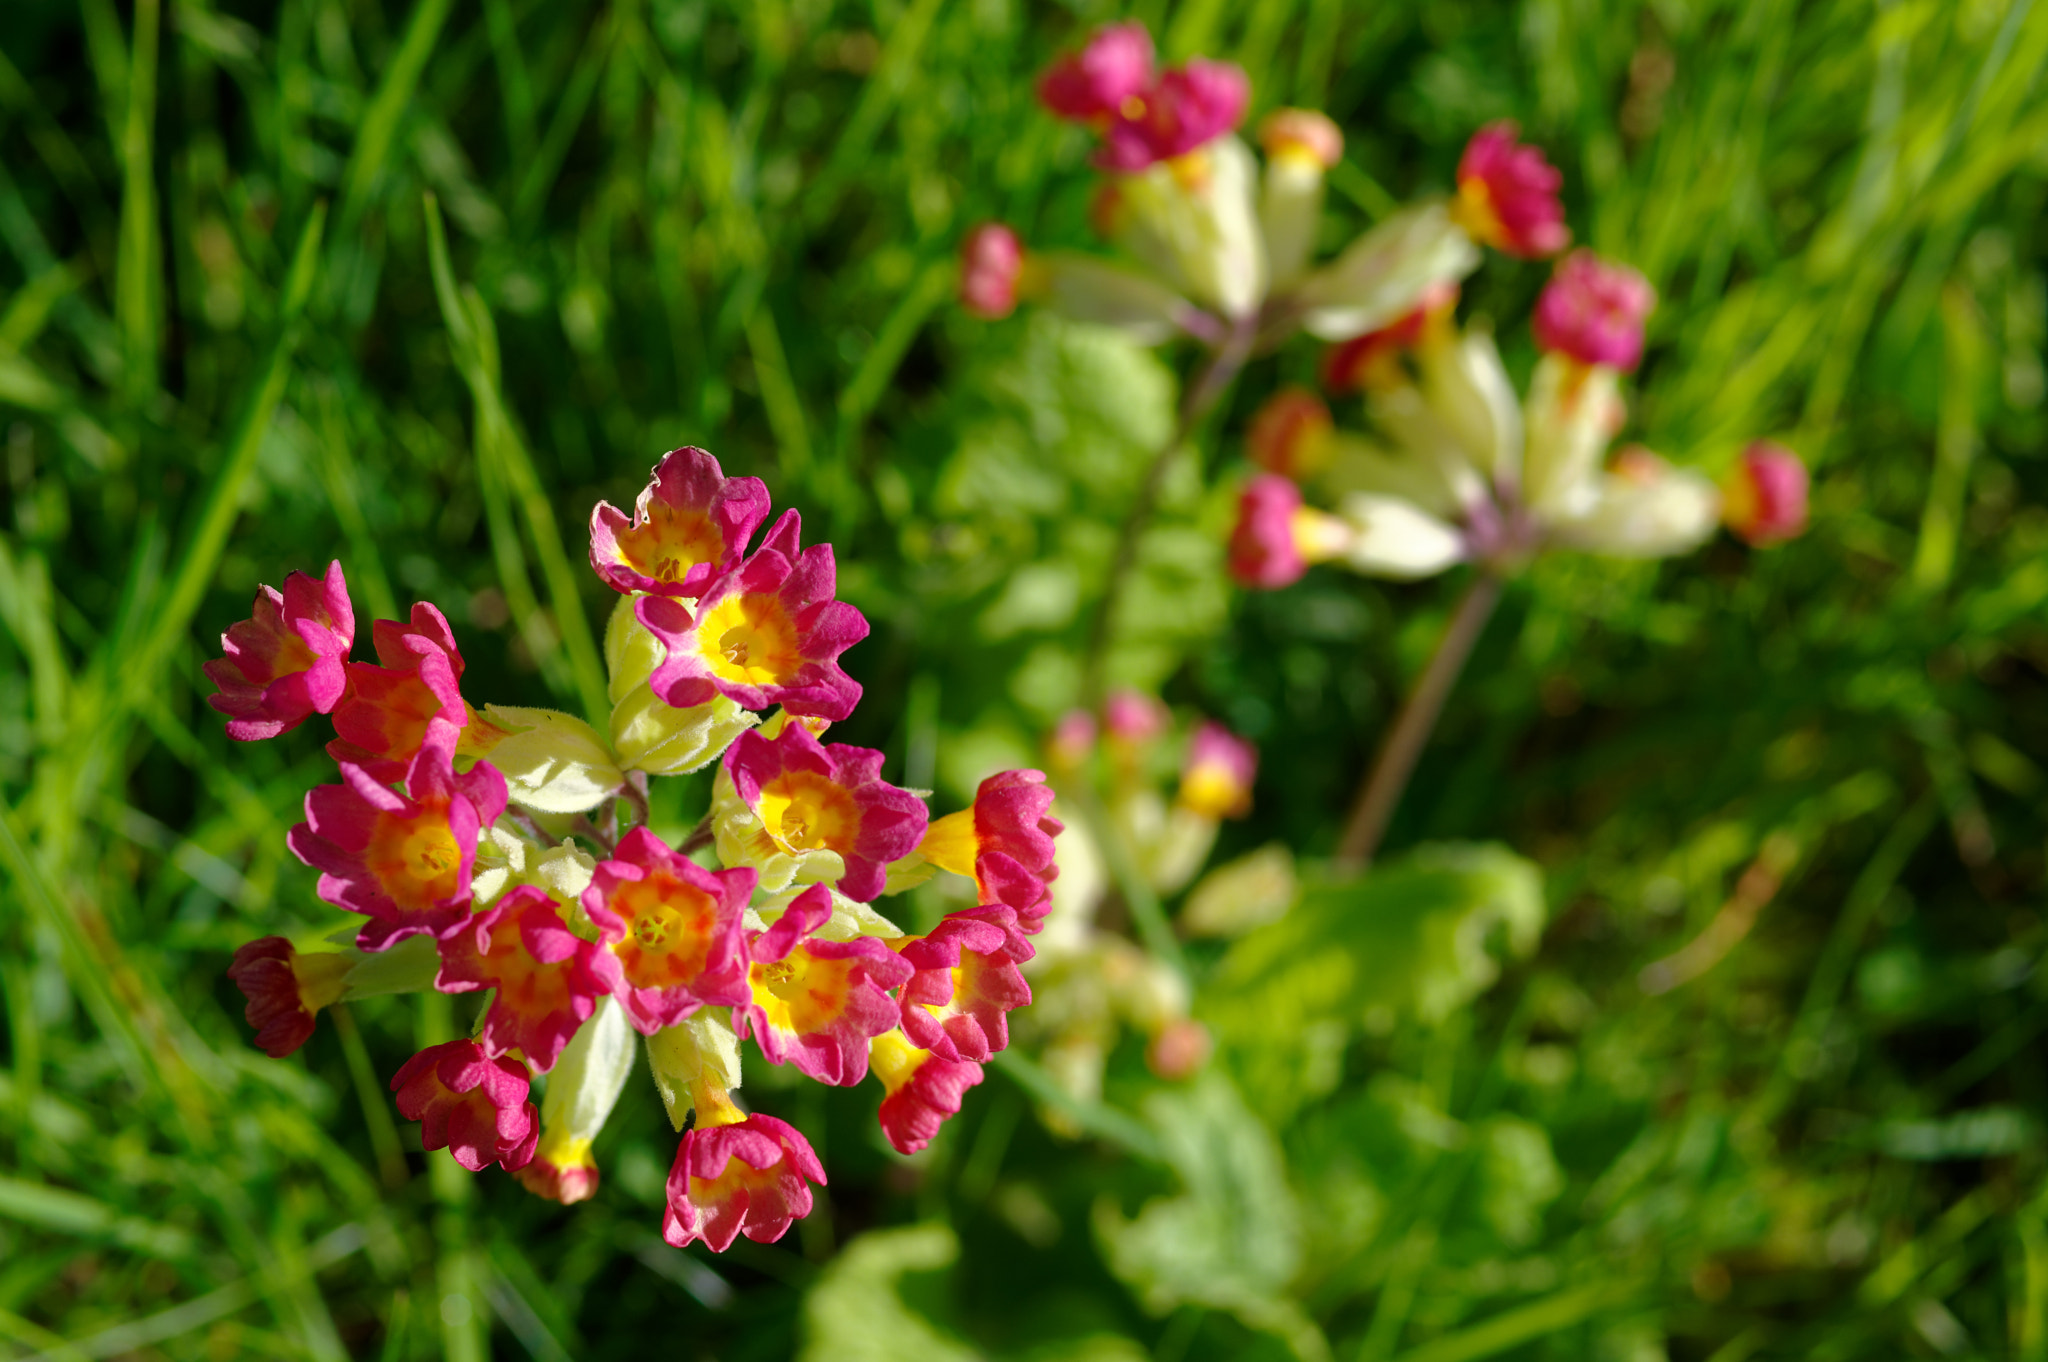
{"x": 508, "y": 852}
{"x": 1458, "y": 469}
{"x": 1091, "y": 982}
{"x": 1222, "y": 249}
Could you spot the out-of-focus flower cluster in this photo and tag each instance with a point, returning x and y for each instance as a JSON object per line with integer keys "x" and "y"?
{"x": 1091, "y": 981}
{"x": 507, "y": 851}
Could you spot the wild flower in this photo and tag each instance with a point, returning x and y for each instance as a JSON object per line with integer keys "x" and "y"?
{"x": 507, "y": 852}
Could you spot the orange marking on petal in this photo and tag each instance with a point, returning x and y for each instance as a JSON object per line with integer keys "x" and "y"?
{"x": 802, "y": 993}
{"x": 750, "y": 640}
{"x": 803, "y": 811}
{"x": 416, "y": 860}
{"x": 669, "y": 930}
{"x": 670, "y": 543}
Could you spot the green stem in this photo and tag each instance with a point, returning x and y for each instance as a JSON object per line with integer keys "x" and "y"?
{"x": 1395, "y": 763}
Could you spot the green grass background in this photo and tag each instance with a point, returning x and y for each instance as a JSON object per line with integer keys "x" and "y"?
{"x": 223, "y": 356}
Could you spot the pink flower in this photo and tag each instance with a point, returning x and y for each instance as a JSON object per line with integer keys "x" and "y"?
{"x": 286, "y": 660}
{"x": 1096, "y": 82}
{"x": 1508, "y": 195}
{"x": 572, "y": 1179}
{"x": 991, "y": 259}
{"x": 1302, "y": 134}
{"x": 1217, "y": 780}
{"x": 810, "y": 795}
{"x": 1263, "y": 548}
{"x": 1290, "y": 434}
{"x": 1190, "y": 107}
{"x": 966, "y": 982}
{"x": 473, "y": 1106}
{"x": 690, "y": 523}
{"x": 1005, "y": 841}
{"x": 380, "y": 724}
{"x": 1593, "y": 312}
{"x": 286, "y": 989}
{"x": 675, "y": 928}
{"x": 768, "y": 632}
{"x": 1133, "y": 717}
{"x": 1764, "y": 501}
{"x": 923, "y": 1090}
{"x": 816, "y": 1003}
{"x": 402, "y": 860}
{"x": 1373, "y": 361}
{"x": 546, "y": 980}
{"x": 752, "y": 1177}
{"x": 1071, "y": 740}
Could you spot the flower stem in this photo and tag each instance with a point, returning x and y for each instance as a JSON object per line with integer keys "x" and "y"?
{"x": 1208, "y": 384}
{"x": 1399, "y": 750}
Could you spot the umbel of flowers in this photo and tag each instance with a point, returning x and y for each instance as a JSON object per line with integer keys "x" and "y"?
{"x": 1215, "y": 246}
{"x": 507, "y": 852}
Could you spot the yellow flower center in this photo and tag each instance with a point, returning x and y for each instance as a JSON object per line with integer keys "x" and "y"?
{"x": 749, "y": 640}
{"x": 417, "y": 860}
{"x": 803, "y": 811}
{"x": 670, "y": 544}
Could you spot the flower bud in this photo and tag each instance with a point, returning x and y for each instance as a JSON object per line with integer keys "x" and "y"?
{"x": 1217, "y": 780}
{"x": 1301, "y": 145}
{"x": 288, "y": 659}
{"x": 1180, "y": 1049}
{"x": 1764, "y": 499}
{"x": 1388, "y": 272}
{"x": 991, "y": 259}
{"x": 1593, "y": 311}
{"x": 582, "y": 1091}
{"x": 553, "y": 762}
{"x": 1096, "y": 82}
{"x": 1302, "y": 135}
{"x": 1507, "y": 195}
{"x": 651, "y": 735}
{"x": 698, "y": 1056}
{"x": 1290, "y": 434}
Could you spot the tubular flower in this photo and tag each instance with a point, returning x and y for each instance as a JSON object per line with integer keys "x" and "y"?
{"x": 1217, "y": 780}
{"x": 402, "y": 860}
{"x": 675, "y": 927}
{"x": 768, "y": 632}
{"x": 924, "y": 1089}
{"x": 1277, "y": 537}
{"x": 690, "y": 523}
{"x": 1187, "y": 108}
{"x": 546, "y": 980}
{"x": 991, "y": 260}
{"x": 582, "y": 1091}
{"x": 956, "y": 1005}
{"x": 1004, "y": 841}
{"x": 806, "y": 802}
{"x": 1099, "y": 80}
{"x": 751, "y": 1176}
{"x": 287, "y": 988}
{"x": 1301, "y": 145}
{"x": 286, "y": 661}
{"x": 1372, "y": 362}
{"x": 1508, "y": 195}
{"x": 1290, "y": 434}
{"x": 1764, "y": 499}
{"x": 815, "y": 1003}
{"x": 1593, "y": 311}
{"x": 381, "y": 722}
{"x": 470, "y": 1104}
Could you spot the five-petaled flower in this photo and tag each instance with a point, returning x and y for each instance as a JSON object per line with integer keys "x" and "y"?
{"x": 1508, "y": 194}
{"x": 401, "y": 859}
{"x": 545, "y": 980}
{"x": 815, "y": 1003}
{"x": 816, "y": 811}
{"x": 690, "y": 523}
{"x": 1764, "y": 499}
{"x": 675, "y": 927}
{"x": 956, "y": 1005}
{"x": 382, "y": 721}
{"x": 923, "y": 1089}
{"x": 286, "y": 661}
{"x": 470, "y": 1104}
{"x": 1004, "y": 841}
{"x": 751, "y": 1176}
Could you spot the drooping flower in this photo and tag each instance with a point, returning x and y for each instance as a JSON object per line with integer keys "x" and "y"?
{"x": 690, "y": 523}
{"x": 1277, "y": 537}
{"x": 966, "y": 982}
{"x": 991, "y": 259}
{"x": 1764, "y": 499}
{"x": 1217, "y": 779}
{"x": 768, "y": 632}
{"x": 473, "y": 1106}
{"x": 381, "y": 722}
{"x": 675, "y": 927}
{"x": 1004, "y": 841}
{"x": 923, "y": 1090}
{"x": 1187, "y": 108}
{"x": 402, "y": 860}
{"x": 582, "y": 1091}
{"x": 546, "y": 980}
{"x": 1508, "y": 195}
{"x": 1301, "y": 145}
{"x": 815, "y": 1003}
{"x": 751, "y": 1176}
{"x": 1290, "y": 434}
{"x": 286, "y": 661}
{"x": 1593, "y": 311}
{"x": 1102, "y": 78}
{"x": 287, "y": 988}
{"x": 808, "y": 804}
